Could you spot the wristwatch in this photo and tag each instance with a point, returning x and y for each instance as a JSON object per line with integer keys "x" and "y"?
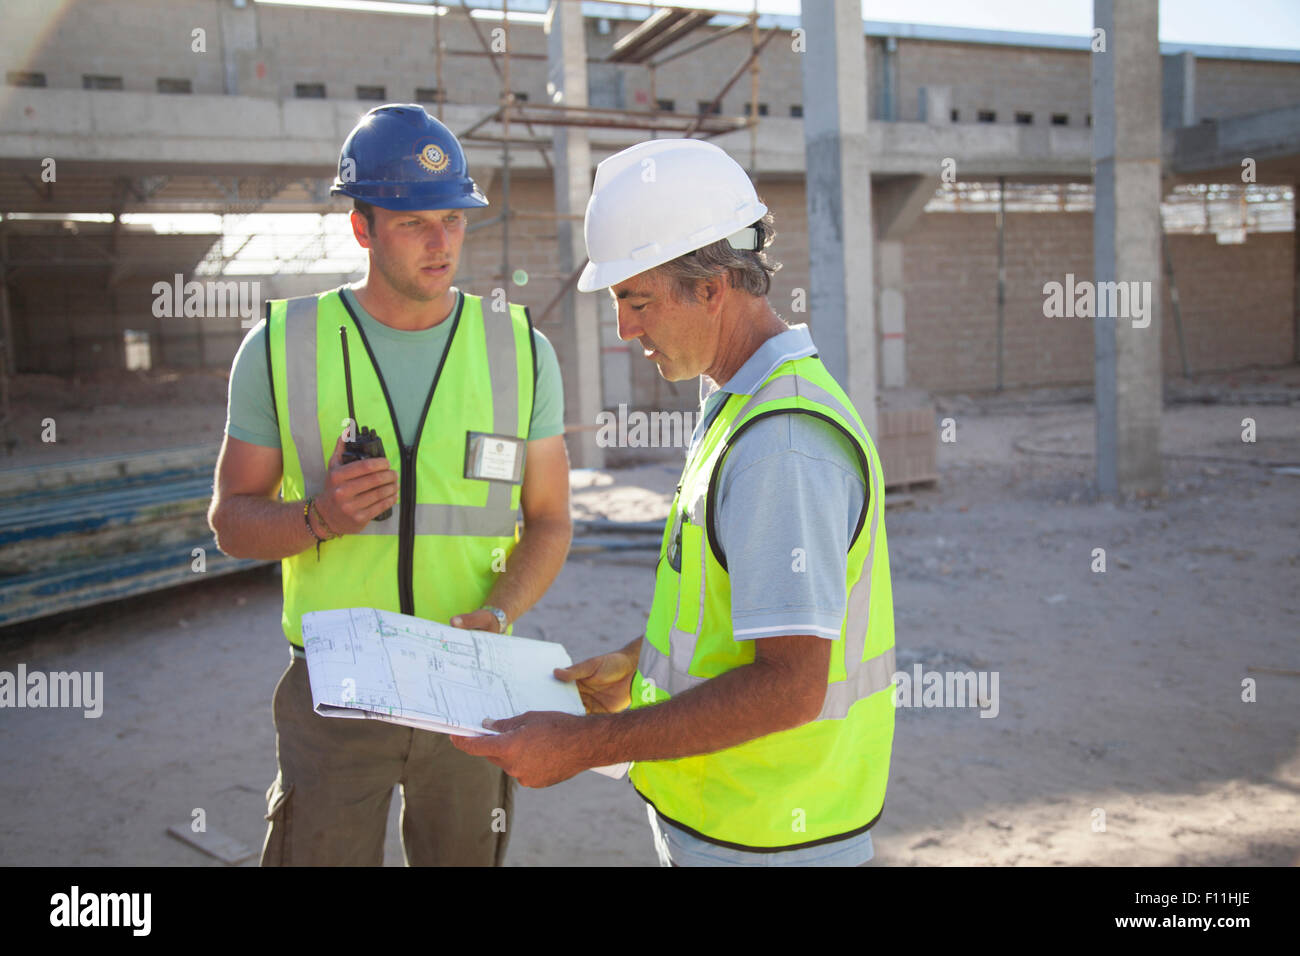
{"x": 499, "y": 614}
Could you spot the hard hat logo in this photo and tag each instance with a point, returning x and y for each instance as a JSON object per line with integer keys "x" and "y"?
{"x": 433, "y": 158}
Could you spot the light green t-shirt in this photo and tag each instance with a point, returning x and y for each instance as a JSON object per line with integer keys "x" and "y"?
{"x": 407, "y": 360}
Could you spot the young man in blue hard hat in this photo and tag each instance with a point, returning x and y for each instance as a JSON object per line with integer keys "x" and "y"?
{"x": 433, "y": 372}
{"x": 758, "y": 707}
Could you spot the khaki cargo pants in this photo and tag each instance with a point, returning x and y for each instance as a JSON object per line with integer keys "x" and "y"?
{"x": 329, "y": 802}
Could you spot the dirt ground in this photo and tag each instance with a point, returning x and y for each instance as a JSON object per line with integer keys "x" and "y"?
{"x": 1120, "y": 695}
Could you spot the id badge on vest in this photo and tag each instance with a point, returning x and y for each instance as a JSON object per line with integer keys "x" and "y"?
{"x": 494, "y": 457}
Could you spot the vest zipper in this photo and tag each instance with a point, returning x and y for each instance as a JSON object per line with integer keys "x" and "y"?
{"x": 406, "y": 536}
{"x": 406, "y": 491}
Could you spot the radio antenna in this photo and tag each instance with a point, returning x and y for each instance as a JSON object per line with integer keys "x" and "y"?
{"x": 347, "y": 372}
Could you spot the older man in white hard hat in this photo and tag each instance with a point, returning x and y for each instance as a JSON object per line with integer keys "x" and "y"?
{"x": 757, "y": 709}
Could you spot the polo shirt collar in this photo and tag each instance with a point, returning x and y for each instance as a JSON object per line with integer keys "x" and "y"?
{"x": 794, "y": 343}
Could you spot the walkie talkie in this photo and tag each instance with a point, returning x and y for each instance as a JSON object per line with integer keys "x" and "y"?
{"x": 368, "y": 443}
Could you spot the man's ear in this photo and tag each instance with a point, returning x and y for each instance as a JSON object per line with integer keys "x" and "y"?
{"x": 360, "y": 229}
{"x": 710, "y": 290}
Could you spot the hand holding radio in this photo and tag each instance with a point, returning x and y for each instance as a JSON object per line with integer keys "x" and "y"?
{"x": 355, "y": 491}
{"x": 361, "y": 442}
{"x": 360, "y": 486}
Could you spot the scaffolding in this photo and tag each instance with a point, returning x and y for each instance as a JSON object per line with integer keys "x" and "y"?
{"x": 664, "y": 36}
{"x": 665, "y": 27}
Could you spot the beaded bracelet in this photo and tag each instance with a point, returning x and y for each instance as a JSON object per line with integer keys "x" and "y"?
{"x": 306, "y": 508}
{"x": 323, "y": 523}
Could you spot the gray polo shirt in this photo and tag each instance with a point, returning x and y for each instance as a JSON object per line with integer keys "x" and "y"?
{"x": 788, "y": 500}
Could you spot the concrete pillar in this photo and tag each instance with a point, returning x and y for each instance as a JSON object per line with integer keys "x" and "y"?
{"x": 888, "y": 78}
{"x": 1178, "y": 90}
{"x": 893, "y": 339}
{"x": 8, "y": 367}
{"x": 616, "y": 357}
{"x": 935, "y": 105}
{"x": 238, "y": 49}
{"x": 578, "y": 343}
{"x": 838, "y": 194}
{"x": 897, "y": 203}
{"x": 1126, "y": 245}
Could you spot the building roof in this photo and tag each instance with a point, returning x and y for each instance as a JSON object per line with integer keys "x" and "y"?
{"x": 924, "y": 31}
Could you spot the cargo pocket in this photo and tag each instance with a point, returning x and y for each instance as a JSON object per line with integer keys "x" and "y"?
{"x": 279, "y": 816}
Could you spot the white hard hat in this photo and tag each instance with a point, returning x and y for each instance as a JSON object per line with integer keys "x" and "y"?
{"x": 662, "y": 199}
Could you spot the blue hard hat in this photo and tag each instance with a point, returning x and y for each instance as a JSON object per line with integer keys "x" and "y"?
{"x": 399, "y": 157}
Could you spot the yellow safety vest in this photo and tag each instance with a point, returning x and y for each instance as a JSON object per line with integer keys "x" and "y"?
{"x": 448, "y": 536}
{"x": 816, "y": 783}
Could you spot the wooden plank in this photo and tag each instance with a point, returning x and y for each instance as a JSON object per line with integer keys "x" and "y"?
{"x": 81, "y": 471}
{"x": 86, "y": 513}
{"x": 214, "y": 843}
{"x": 30, "y": 596}
{"x": 47, "y": 554}
{"x": 78, "y": 533}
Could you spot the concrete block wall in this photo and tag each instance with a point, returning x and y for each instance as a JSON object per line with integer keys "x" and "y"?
{"x": 950, "y": 264}
{"x": 700, "y": 76}
{"x": 143, "y": 40}
{"x": 1231, "y": 87}
{"x": 1004, "y": 79}
{"x": 532, "y": 249}
{"x": 1236, "y": 301}
{"x": 785, "y": 200}
{"x": 342, "y": 49}
{"x": 396, "y": 52}
{"x": 68, "y": 329}
{"x": 1236, "y": 298}
{"x": 950, "y": 270}
{"x": 138, "y": 40}
{"x": 532, "y": 244}
{"x": 1040, "y": 248}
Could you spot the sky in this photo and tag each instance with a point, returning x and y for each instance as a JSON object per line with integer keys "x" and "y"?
{"x": 1267, "y": 23}
{"x": 1257, "y": 23}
